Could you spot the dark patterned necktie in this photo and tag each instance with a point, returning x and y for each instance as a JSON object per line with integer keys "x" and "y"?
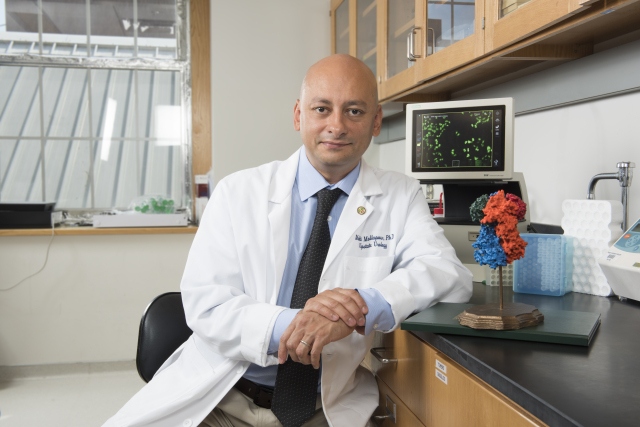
{"x": 296, "y": 389}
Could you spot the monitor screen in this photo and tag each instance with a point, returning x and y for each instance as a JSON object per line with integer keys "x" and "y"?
{"x": 460, "y": 140}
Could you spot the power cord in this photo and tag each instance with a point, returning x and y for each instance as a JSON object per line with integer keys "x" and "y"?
{"x": 46, "y": 258}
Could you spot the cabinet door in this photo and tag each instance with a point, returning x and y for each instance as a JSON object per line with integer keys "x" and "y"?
{"x": 341, "y": 28}
{"x": 366, "y": 41}
{"x": 511, "y": 20}
{"x": 459, "y": 399}
{"x": 454, "y": 36}
{"x": 426, "y": 38}
{"x": 400, "y": 33}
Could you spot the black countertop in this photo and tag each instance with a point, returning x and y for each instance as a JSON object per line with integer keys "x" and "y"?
{"x": 562, "y": 385}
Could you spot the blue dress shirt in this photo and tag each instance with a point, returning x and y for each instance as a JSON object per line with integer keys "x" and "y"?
{"x": 303, "y": 210}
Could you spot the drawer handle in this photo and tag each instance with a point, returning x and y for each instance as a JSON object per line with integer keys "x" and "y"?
{"x": 381, "y": 358}
{"x": 390, "y": 409}
{"x": 382, "y": 417}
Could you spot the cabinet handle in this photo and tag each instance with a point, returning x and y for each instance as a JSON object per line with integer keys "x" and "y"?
{"x": 433, "y": 39}
{"x": 411, "y": 55}
{"x": 380, "y": 358}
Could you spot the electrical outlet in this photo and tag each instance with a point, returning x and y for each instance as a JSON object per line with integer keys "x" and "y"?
{"x": 473, "y": 235}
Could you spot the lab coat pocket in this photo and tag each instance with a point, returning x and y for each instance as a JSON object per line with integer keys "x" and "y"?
{"x": 363, "y": 272}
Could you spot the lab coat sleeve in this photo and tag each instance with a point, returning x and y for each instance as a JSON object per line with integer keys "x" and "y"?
{"x": 231, "y": 317}
{"x": 426, "y": 269}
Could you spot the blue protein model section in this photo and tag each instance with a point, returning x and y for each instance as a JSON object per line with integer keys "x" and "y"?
{"x": 547, "y": 266}
{"x": 487, "y": 248}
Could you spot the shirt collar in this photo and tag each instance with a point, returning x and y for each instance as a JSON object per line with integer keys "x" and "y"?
{"x": 310, "y": 181}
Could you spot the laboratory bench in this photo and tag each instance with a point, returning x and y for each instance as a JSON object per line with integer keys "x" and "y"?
{"x": 511, "y": 382}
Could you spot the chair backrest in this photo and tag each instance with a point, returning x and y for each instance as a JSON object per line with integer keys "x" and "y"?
{"x": 163, "y": 329}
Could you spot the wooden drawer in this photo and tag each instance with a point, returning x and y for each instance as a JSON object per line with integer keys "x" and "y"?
{"x": 460, "y": 398}
{"x": 390, "y": 405}
{"x": 407, "y": 376}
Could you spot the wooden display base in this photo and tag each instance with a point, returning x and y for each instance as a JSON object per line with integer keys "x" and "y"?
{"x": 491, "y": 316}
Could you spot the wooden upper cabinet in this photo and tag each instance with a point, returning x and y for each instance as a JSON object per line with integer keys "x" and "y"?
{"x": 421, "y": 39}
{"x": 423, "y": 50}
{"x": 405, "y": 42}
{"x": 509, "y": 21}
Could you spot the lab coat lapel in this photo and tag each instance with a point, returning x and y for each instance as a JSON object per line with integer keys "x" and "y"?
{"x": 352, "y": 216}
{"x": 280, "y": 218}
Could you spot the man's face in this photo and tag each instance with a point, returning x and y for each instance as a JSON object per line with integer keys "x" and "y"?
{"x": 337, "y": 115}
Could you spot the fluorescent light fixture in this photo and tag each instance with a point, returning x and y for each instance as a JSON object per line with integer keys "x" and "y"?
{"x": 168, "y": 125}
{"x": 109, "y": 120}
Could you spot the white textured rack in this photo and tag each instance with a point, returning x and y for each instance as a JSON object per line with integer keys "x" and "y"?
{"x": 596, "y": 225}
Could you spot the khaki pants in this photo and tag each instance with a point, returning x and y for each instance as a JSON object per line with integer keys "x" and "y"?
{"x": 237, "y": 410}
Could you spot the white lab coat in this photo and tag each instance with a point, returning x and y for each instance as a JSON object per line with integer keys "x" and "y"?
{"x": 233, "y": 274}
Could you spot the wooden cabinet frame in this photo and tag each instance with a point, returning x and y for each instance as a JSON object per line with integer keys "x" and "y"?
{"x": 199, "y": 11}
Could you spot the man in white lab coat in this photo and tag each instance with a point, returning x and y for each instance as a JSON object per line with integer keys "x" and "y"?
{"x": 387, "y": 259}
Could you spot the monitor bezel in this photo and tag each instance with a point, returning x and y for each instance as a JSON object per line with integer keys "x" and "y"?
{"x": 456, "y": 175}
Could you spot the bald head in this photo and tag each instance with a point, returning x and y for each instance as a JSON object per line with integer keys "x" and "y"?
{"x": 337, "y": 114}
{"x": 343, "y": 68}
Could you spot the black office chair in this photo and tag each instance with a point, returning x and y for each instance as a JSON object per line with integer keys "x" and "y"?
{"x": 163, "y": 328}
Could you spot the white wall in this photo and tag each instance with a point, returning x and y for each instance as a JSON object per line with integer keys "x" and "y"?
{"x": 85, "y": 306}
{"x": 560, "y": 149}
{"x": 261, "y": 51}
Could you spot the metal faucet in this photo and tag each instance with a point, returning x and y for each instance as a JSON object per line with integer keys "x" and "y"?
{"x": 624, "y": 175}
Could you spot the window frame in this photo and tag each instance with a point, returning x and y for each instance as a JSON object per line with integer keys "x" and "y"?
{"x": 194, "y": 69}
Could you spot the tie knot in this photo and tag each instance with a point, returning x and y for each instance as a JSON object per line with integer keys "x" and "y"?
{"x": 326, "y": 199}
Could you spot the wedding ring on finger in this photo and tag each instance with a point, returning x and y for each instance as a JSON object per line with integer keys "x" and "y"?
{"x": 305, "y": 343}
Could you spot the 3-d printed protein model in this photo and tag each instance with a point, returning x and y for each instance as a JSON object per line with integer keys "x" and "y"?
{"x": 499, "y": 242}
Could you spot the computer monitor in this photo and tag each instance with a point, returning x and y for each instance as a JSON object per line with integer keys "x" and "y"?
{"x": 460, "y": 140}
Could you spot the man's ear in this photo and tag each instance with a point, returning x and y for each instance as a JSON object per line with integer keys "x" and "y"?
{"x": 377, "y": 121}
{"x": 296, "y": 116}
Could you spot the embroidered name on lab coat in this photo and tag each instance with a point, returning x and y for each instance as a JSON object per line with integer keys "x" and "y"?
{"x": 366, "y": 242}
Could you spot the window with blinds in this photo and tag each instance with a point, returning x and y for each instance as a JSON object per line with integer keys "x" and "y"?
{"x": 94, "y": 102}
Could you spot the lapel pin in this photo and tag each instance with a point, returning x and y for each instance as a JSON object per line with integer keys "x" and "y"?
{"x": 361, "y": 210}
